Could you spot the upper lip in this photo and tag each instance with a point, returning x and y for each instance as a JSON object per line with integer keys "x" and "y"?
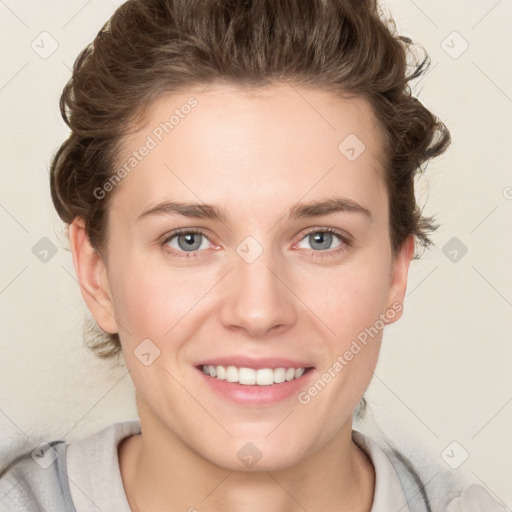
{"x": 255, "y": 362}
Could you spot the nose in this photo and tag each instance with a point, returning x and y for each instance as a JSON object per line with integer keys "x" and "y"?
{"x": 257, "y": 298}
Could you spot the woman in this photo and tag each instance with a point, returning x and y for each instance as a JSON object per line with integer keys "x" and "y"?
{"x": 238, "y": 185}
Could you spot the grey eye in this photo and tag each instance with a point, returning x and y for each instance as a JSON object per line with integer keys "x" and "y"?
{"x": 188, "y": 242}
{"x": 321, "y": 240}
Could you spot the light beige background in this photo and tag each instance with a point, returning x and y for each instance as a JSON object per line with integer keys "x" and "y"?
{"x": 444, "y": 373}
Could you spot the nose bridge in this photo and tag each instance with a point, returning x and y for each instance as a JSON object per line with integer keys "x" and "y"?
{"x": 258, "y": 299}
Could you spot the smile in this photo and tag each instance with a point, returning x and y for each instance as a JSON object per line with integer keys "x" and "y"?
{"x": 250, "y": 376}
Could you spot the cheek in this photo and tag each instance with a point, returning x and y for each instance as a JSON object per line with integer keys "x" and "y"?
{"x": 151, "y": 299}
{"x": 352, "y": 298}
{"x": 352, "y": 307}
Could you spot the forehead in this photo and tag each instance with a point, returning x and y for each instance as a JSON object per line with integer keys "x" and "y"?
{"x": 274, "y": 144}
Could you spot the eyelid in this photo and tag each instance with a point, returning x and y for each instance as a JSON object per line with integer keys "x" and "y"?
{"x": 344, "y": 235}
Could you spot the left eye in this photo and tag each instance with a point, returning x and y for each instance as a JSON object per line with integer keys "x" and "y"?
{"x": 322, "y": 239}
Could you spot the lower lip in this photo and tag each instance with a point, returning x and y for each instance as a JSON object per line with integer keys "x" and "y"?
{"x": 254, "y": 394}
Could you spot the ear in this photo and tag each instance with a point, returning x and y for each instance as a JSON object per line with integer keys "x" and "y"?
{"x": 398, "y": 278}
{"x": 92, "y": 276}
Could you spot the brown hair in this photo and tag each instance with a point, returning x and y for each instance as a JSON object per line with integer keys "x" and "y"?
{"x": 152, "y": 47}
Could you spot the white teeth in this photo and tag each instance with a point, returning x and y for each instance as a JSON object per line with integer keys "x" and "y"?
{"x": 290, "y": 373}
{"x": 250, "y": 376}
{"x": 247, "y": 376}
{"x": 231, "y": 374}
{"x": 265, "y": 377}
{"x": 279, "y": 375}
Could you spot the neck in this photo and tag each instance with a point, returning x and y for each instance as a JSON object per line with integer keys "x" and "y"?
{"x": 160, "y": 472}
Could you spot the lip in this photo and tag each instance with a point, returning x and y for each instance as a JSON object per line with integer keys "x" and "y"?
{"x": 256, "y": 363}
{"x": 254, "y": 395}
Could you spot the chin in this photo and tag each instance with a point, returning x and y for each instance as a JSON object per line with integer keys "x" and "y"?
{"x": 242, "y": 455}
{"x": 254, "y": 461}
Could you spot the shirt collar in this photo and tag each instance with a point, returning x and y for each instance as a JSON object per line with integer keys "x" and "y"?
{"x": 389, "y": 494}
{"x": 95, "y": 477}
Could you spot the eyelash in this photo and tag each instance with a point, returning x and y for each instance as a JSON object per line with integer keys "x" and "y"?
{"x": 194, "y": 254}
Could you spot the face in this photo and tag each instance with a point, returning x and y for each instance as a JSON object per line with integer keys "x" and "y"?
{"x": 285, "y": 262}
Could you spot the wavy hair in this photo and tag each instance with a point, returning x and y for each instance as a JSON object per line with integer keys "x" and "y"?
{"x": 149, "y": 48}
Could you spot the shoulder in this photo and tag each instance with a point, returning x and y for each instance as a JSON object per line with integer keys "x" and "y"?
{"x": 476, "y": 497}
{"x": 440, "y": 488}
{"x": 426, "y": 487}
{"x": 36, "y": 480}
{"x": 60, "y": 476}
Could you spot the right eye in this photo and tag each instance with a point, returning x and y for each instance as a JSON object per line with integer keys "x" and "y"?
{"x": 188, "y": 240}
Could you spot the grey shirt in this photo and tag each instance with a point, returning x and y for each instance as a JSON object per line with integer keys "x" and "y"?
{"x": 84, "y": 476}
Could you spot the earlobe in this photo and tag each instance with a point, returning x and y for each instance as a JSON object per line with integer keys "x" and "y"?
{"x": 92, "y": 276}
{"x": 398, "y": 280}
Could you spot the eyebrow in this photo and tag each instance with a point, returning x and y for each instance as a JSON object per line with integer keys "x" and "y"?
{"x": 214, "y": 212}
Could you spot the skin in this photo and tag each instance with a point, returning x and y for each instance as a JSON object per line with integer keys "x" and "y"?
{"x": 256, "y": 154}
